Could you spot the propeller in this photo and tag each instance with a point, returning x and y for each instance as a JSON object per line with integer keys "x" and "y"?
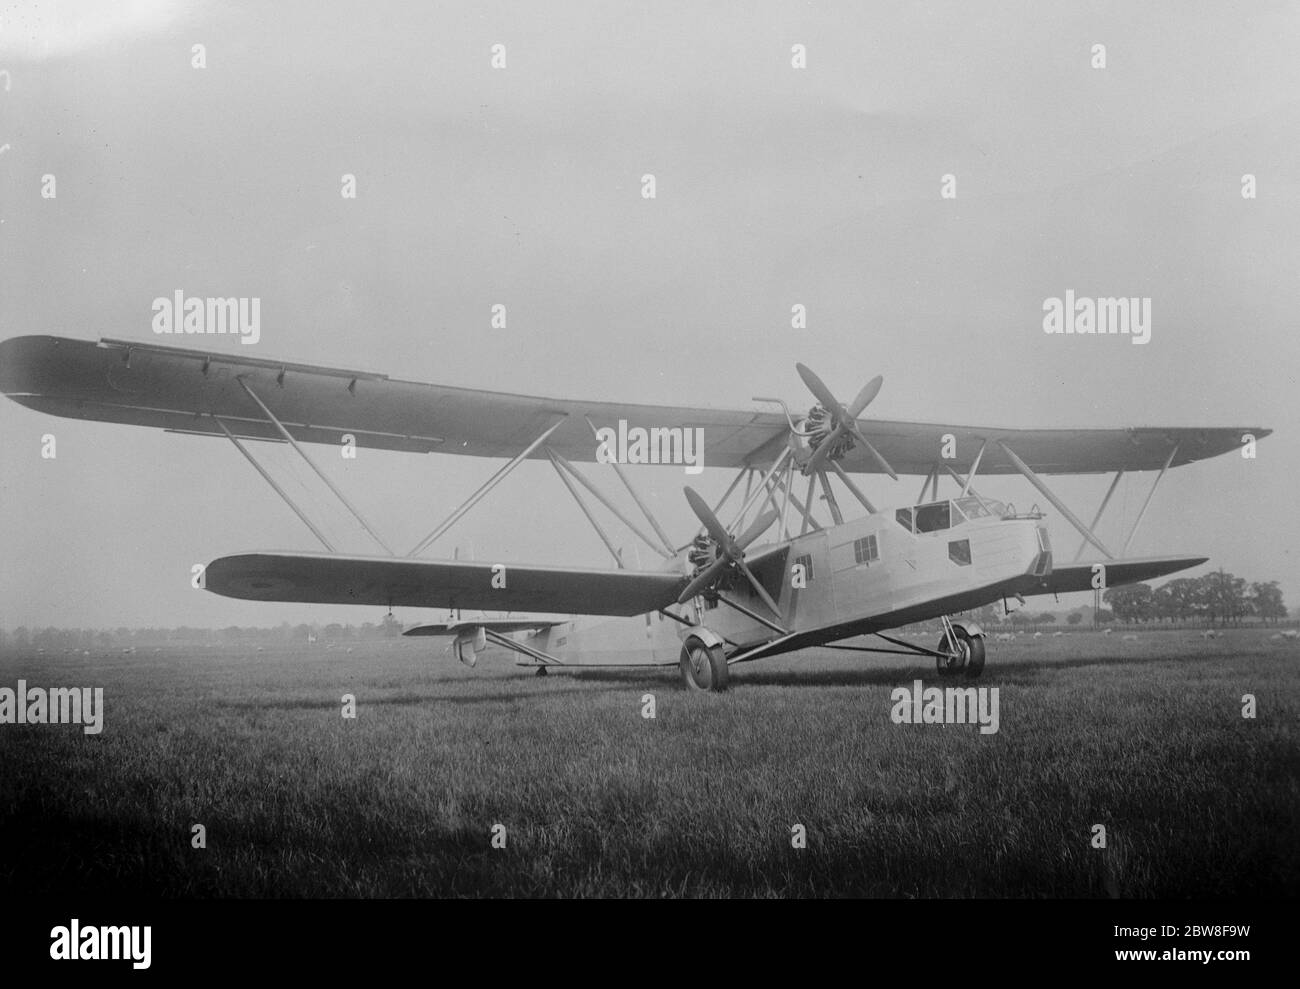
{"x": 730, "y": 551}
{"x": 846, "y": 420}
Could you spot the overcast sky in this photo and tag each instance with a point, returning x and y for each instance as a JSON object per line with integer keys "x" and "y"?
{"x": 522, "y": 186}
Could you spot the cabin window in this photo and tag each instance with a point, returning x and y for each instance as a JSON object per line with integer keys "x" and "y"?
{"x": 904, "y": 517}
{"x": 806, "y": 563}
{"x": 864, "y": 550}
{"x": 932, "y": 518}
{"x": 959, "y": 552}
{"x": 647, "y": 619}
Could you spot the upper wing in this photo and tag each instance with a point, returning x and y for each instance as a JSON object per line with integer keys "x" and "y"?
{"x": 180, "y": 389}
{"x": 325, "y": 578}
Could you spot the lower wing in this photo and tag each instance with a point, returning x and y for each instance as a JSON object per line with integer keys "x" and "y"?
{"x": 1080, "y": 576}
{"x": 325, "y": 578}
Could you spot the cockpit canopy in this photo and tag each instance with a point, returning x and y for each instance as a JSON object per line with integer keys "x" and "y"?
{"x": 937, "y": 515}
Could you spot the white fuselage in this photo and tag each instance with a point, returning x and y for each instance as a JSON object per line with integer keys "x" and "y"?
{"x": 865, "y": 575}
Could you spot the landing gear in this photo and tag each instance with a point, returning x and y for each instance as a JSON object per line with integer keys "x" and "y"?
{"x": 541, "y": 672}
{"x": 704, "y": 668}
{"x": 960, "y": 653}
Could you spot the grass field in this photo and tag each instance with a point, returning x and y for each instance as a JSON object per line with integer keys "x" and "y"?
{"x": 1145, "y": 737}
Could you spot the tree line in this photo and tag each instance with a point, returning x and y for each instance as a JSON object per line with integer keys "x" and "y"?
{"x": 123, "y": 638}
{"x": 1217, "y": 598}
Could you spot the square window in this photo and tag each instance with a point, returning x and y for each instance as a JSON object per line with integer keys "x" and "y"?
{"x": 806, "y": 563}
{"x": 864, "y": 550}
{"x": 959, "y": 552}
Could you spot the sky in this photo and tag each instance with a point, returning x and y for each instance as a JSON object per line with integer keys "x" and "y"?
{"x": 522, "y": 186}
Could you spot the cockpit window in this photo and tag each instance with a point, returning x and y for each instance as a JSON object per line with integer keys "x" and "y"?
{"x": 932, "y": 518}
{"x": 979, "y": 508}
{"x": 904, "y": 517}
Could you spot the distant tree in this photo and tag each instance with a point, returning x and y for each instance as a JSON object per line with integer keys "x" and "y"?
{"x": 1131, "y": 603}
{"x": 1104, "y": 616}
{"x": 1162, "y": 603}
{"x": 1186, "y": 598}
{"x": 1266, "y": 601}
{"x": 1047, "y": 618}
{"x": 1224, "y": 597}
{"x": 1074, "y": 618}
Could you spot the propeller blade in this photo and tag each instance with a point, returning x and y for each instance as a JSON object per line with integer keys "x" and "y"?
{"x": 819, "y": 390}
{"x": 869, "y": 391}
{"x": 759, "y": 526}
{"x": 845, "y": 419}
{"x": 705, "y": 514}
{"x": 705, "y": 579}
{"x": 818, "y": 460}
{"x": 884, "y": 464}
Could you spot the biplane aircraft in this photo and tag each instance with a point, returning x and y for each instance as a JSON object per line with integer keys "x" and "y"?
{"x": 773, "y": 580}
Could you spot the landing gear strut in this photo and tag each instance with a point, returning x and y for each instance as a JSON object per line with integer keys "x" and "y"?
{"x": 960, "y": 653}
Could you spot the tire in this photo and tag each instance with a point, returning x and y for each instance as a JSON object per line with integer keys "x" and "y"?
{"x": 975, "y": 661}
{"x": 704, "y": 668}
{"x": 970, "y": 663}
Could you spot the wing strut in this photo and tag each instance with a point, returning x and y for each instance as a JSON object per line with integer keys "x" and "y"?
{"x": 925, "y": 485}
{"x": 546, "y": 659}
{"x": 755, "y": 615}
{"x": 785, "y": 500}
{"x": 1097, "y": 519}
{"x": 831, "y": 503}
{"x": 487, "y": 486}
{"x": 807, "y": 509}
{"x": 275, "y": 487}
{"x": 312, "y": 464}
{"x": 1150, "y": 494}
{"x": 618, "y": 469}
{"x": 965, "y": 486}
{"x": 577, "y": 496}
{"x": 848, "y": 483}
{"x": 975, "y": 468}
{"x": 762, "y": 487}
{"x": 1059, "y": 505}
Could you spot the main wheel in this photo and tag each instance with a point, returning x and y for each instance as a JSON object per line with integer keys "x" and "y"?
{"x": 968, "y": 659}
{"x": 975, "y": 661}
{"x": 703, "y": 667}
